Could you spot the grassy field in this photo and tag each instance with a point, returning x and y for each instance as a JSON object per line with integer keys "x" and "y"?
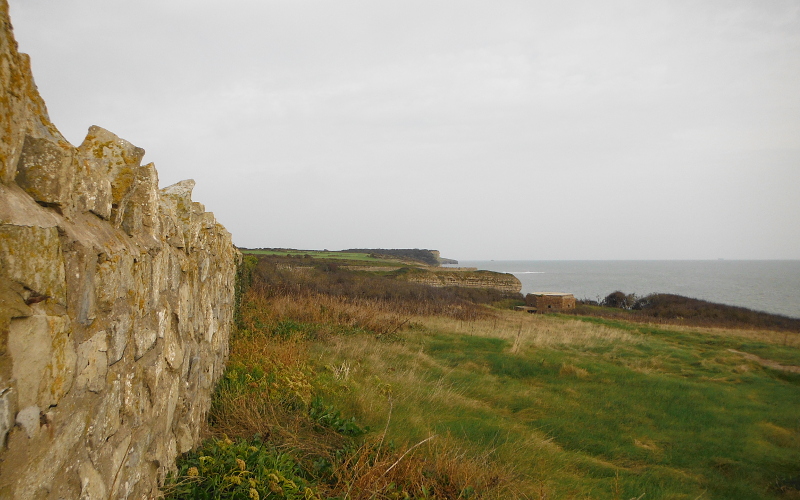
{"x": 584, "y": 410}
{"x": 361, "y": 398}
{"x": 356, "y": 258}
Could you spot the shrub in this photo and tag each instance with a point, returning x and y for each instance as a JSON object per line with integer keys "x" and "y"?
{"x": 618, "y": 300}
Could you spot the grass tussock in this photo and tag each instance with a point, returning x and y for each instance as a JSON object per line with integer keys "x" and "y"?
{"x": 273, "y": 392}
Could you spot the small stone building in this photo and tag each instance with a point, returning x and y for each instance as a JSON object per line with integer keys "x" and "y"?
{"x": 549, "y": 301}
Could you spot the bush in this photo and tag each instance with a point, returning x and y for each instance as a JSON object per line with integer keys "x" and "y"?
{"x": 619, "y": 300}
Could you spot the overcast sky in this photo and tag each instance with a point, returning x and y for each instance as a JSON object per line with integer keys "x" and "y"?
{"x": 487, "y": 130}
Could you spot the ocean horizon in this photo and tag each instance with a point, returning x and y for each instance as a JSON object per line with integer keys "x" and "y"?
{"x": 764, "y": 285}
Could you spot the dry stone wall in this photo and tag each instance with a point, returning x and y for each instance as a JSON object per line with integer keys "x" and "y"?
{"x": 116, "y": 300}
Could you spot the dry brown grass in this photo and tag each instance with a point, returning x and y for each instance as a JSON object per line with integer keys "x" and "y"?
{"x": 432, "y": 468}
{"x": 260, "y": 311}
{"x": 278, "y": 410}
{"x": 531, "y": 330}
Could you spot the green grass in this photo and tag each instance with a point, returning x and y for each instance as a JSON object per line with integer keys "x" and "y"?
{"x": 320, "y": 254}
{"x": 674, "y": 415}
{"x": 698, "y": 341}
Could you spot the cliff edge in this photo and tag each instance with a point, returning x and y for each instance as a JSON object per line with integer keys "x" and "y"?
{"x": 116, "y": 302}
{"x": 468, "y": 278}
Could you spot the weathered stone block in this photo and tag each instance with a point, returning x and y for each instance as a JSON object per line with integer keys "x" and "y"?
{"x": 28, "y": 418}
{"x": 120, "y": 333}
{"x": 139, "y": 209}
{"x": 92, "y": 485}
{"x": 144, "y": 339}
{"x": 41, "y": 469}
{"x": 173, "y": 347}
{"x": 92, "y": 189}
{"x": 112, "y": 157}
{"x": 108, "y": 283}
{"x": 46, "y": 172}
{"x": 32, "y": 257}
{"x": 110, "y": 461}
{"x": 184, "y": 438}
{"x": 92, "y": 363}
{"x": 44, "y": 359}
{"x": 59, "y": 374}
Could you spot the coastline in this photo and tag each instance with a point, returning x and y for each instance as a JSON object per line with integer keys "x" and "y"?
{"x": 771, "y": 286}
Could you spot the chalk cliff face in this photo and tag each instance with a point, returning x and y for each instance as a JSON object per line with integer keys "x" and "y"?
{"x": 116, "y": 300}
{"x": 465, "y": 278}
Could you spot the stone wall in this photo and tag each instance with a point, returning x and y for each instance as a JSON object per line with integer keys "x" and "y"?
{"x": 116, "y": 300}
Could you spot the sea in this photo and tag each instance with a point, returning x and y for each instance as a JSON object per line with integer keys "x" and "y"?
{"x": 764, "y": 285}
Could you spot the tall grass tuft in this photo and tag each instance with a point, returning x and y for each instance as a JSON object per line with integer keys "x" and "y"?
{"x": 272, "y": 392}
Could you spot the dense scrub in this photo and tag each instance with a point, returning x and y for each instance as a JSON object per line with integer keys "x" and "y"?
{"x": 676, "y": 309}
{"x": 302, "y": 277}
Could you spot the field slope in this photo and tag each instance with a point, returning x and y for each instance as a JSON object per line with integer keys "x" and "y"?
{"x": 409, "y": 395}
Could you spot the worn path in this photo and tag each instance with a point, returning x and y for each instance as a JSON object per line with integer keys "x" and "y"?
{"x": 767, "y": 362}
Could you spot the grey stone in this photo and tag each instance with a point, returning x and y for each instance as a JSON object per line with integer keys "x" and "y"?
{"x": 28, "y": 418}
{"x": 93, "y": 363}
{"x": 144, "y": 339}
{"x": 42, "y": 468}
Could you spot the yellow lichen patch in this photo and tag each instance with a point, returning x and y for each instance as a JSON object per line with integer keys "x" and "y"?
{"x": 99, "y": 150}
{"x": 122, "y": 183}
